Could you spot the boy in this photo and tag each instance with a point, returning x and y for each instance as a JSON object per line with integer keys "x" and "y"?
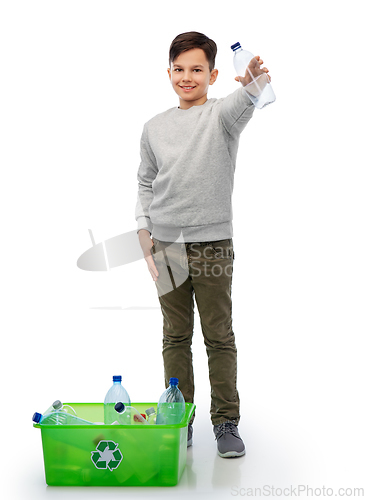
{"x": 188, "y": 156}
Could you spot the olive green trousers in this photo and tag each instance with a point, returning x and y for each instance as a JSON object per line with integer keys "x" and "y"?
{"x": 204, "y": 270}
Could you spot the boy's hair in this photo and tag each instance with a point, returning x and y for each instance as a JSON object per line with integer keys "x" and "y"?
{"x": 193, "y": 40}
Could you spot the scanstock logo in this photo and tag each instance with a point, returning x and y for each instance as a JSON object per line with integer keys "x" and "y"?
{"x": 125, "y": 249}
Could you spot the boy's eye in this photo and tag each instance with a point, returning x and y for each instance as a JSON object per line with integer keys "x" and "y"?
{"x": 179, "y": 69}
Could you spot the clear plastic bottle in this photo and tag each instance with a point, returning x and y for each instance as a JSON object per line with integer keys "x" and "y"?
{"x": 151, "y": 415}
{"x": 58, "y": 406}
{"x": 59, "y": 418}
{"x": 127, "y": 415}
{"x": 259, "y": 90}
{"x": 115, "y": 394}
{"x": 171, "y": 405}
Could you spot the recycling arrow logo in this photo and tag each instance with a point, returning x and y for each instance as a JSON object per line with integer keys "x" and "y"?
{"x": 107, "y": 456}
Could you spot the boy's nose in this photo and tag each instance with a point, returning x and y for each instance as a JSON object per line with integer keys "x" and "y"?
{"x": 186, "y": 77}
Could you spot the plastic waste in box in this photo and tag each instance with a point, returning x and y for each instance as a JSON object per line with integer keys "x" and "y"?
{"x": 151, "y": 415}
{"x": 115, "y": 394}
{"x": 171, "y": 405}
{"x": 114, "y": 455}
{"x": 59, "y": 418}
{"x": 58, "y": 406}
{"x": 127, "y": 415}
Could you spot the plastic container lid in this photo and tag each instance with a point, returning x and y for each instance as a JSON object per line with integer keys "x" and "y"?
{"x": 119, "y": 407}
{"x": 174, "y": 381}
{"x": 117, "y": 378}
{"x": 151, "y": 410}
{"x": 37, "y": 417}
{"x": 57, "y": 404}
{"x": 236, "y": 46}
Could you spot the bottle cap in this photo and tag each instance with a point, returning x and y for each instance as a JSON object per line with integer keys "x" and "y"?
{"x": 174, "y": 381}
{"x": 117, "y": 378}
{"x": 119, "y": 407}
{"x": 37, "y": 417}
{"x": 57, "y": 404}
{"x": 235, "y": 46}
{"x": 151, "y": 410}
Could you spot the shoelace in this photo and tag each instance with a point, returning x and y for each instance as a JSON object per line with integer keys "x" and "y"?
{"x": 226, "y": 427}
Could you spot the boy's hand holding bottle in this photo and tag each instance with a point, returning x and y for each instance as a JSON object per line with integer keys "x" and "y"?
{"x": 253, "y": 71}
{"x": 254, "y": 79}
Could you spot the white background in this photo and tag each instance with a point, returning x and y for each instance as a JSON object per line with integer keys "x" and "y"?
{"x": 79, "y": 80}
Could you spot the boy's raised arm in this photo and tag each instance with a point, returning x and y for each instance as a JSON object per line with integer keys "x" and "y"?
{"x": 236, "y": 111}
{"x": 147, "y": 173}
{"x": 237, "y": 108}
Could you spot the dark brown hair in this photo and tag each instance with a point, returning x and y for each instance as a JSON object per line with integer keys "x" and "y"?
{"x": 193, "y": 40}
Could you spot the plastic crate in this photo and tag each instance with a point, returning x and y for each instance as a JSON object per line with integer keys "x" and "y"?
{"x": 114, "y": 455}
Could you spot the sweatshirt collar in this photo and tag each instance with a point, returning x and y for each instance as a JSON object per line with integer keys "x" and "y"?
{"x": 198, "y": 106}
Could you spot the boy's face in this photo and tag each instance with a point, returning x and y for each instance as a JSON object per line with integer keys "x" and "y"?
{"x": 190, "y": 77}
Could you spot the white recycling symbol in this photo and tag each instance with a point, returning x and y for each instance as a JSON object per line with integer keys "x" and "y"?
{"x": 107, "y": 456}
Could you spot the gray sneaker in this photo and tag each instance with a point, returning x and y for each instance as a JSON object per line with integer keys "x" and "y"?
{"x": 190, "y": 435}
{"x": 229, "y": 442}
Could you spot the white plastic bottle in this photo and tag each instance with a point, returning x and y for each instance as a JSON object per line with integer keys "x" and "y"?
{"x": 127, "y": 415}
{"x": 151, "y": 415}
{"x": 58, "y": 406}
{"x": 259, "y": 89}
{"x": 171, "y": 405}
{"x": 115, "y": 394}
{"x": 59, "y": 418}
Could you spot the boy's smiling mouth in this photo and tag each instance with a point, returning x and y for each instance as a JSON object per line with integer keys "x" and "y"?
{"x": 187, "y": 88}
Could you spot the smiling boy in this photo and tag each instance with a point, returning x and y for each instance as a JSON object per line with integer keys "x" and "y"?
{"x": 188, "y": 160}
{"x": 190, "y": 77}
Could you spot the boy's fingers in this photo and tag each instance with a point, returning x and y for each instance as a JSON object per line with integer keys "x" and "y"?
{"x": 154, "y": 277}
{"x": 155, "y": 272}
{"x": 152, "y": 267}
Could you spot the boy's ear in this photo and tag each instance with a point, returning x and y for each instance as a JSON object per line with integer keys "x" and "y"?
{"x": 213, "y": 76}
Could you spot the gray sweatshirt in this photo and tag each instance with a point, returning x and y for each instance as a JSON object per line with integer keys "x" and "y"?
{"x": 188, "y": 160}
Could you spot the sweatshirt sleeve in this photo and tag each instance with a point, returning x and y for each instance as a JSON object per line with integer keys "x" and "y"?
{"x": 236, "y": 111}
{"x": 147, "y": 172}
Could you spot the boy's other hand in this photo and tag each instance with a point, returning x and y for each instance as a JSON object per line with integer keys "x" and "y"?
{"x": 146, "y": 245}
{"x": 253, "y": 71}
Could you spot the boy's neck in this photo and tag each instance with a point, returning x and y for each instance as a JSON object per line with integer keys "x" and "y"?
{"x": 189, "y": 104}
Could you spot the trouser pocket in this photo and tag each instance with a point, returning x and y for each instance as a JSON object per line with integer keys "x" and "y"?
{"x": 223, "y": 249}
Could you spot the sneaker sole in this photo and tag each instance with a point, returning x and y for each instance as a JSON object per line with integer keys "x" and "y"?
{"x": 232, "y": 454}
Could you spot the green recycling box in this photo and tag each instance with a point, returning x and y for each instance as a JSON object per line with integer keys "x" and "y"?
{"x": 114, "y": 455}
